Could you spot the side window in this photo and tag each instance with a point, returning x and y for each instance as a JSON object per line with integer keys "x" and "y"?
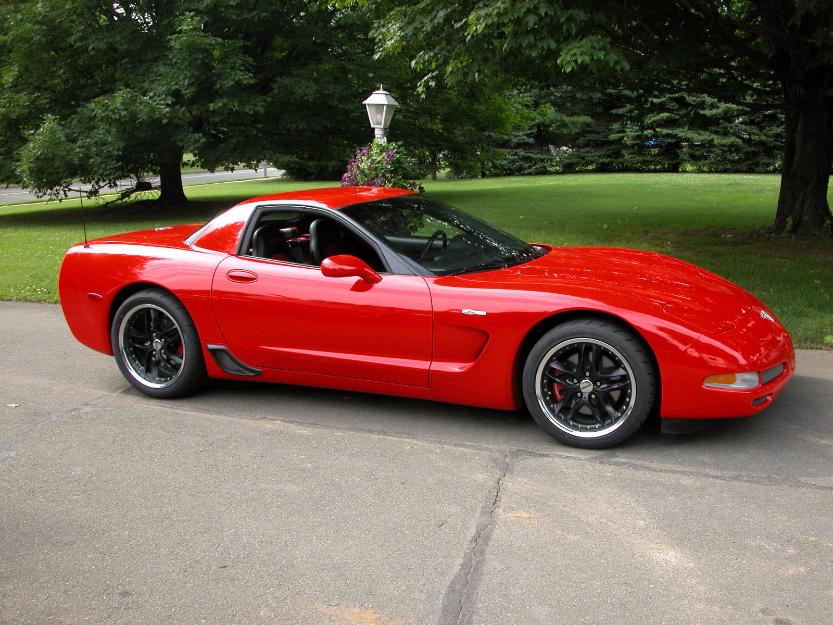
{"x": 278, "y": 235}
{"x": 306, "y": 239}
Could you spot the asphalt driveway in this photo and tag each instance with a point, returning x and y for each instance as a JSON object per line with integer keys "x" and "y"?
{"x": 273, "y": 504}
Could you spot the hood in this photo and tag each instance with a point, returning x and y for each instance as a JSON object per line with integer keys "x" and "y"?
{"x": 165, "y": 236}
{"x": 683, "y": 291}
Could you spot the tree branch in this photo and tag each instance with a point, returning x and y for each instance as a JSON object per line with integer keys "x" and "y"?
{"x": 726, "y": 30}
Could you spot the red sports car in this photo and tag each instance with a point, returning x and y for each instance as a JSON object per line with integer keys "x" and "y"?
{"x": 385, "y": 291}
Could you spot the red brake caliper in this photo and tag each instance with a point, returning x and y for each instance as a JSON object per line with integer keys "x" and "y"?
{"x": 557, "y": 388}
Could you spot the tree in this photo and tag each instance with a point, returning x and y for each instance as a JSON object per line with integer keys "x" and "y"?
{"x": 106, "y": 90}
{"x": 620, "y": 129}
{"x": 737, "y": 51}
{"x": 454, "y": 127}
{"x": 96, "y": 91}
{"x": 319, "y": 120}
{"x": 103, "y": 90}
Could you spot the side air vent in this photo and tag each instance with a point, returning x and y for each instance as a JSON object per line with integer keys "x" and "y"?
{"x": 228, "y": 363}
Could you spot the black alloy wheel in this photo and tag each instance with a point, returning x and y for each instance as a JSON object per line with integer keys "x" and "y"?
{"x": 156, "y": 345}
{"x": 589, "y": 383}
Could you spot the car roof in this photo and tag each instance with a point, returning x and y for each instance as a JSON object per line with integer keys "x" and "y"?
{"x": 222, "y": 233}
{"x": 334, "y": 197}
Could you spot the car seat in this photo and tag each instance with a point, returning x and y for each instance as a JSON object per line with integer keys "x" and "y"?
{"x": 325, "y": 239}
{"x": 269, "y": 242}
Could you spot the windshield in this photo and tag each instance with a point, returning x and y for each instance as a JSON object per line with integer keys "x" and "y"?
{"x": 441, "y": 238}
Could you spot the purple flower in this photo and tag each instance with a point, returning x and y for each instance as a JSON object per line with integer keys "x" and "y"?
{"x": 374, "y": 165}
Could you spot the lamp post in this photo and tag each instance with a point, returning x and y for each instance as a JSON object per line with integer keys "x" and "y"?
{"x": 380, "y": 106}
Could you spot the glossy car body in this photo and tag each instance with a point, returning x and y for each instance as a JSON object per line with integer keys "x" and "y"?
{"x": 455, "y": 338}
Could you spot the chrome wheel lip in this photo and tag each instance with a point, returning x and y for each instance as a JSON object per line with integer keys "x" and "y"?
{"x": 542, "y": 402}
{"x": 136, "y": 375}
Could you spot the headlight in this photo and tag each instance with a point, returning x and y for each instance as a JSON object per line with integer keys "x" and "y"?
{"x": 733, "y": 380}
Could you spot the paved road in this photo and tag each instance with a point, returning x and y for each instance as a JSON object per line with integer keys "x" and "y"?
{"x": 15, "y": 195}
{"x": 271, "y": 504}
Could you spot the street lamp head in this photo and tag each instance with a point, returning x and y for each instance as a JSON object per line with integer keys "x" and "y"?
{"x": 380, "y": 106}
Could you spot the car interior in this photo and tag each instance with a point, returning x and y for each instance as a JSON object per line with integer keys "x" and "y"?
{"x": 307, "y": 239}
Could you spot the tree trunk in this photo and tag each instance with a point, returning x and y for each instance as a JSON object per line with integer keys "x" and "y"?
{"x": 808, "y": 156}
{"x": 170, "y": 178}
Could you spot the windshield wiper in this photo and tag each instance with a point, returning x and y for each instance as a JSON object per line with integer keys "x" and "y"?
{"x": 494, "y": 264}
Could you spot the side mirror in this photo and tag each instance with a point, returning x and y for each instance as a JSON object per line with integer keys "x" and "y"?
{"x": 347, "y": 266}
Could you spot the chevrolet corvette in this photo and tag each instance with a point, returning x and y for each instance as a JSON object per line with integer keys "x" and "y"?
{"x": 383, "y": 290}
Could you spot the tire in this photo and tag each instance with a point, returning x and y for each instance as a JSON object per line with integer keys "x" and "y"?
{"x": 605, "y": 402}
{"x": 156, "y": 346}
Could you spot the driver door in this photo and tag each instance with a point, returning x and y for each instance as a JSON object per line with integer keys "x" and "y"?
{"x": 280, "y": 315}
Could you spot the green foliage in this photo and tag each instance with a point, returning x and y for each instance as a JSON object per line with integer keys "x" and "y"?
{"x": 624, "y": 130}
{"x": 454, "y": 41}
{"x": 459, "y": 128}
{"x": 47, "y": 156}
{"x": 128, "y": 85}
{"x": 569, "y": 129}
{"x": 105, "y": 140}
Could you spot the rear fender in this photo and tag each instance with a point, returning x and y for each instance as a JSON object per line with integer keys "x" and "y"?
{"x": 94, "y": 280}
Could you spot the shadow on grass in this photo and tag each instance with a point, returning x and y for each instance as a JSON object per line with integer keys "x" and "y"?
{"x": 135, "y": 212}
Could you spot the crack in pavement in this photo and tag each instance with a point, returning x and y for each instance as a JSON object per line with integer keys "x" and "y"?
{"x": 8, "y": 447}
{"x": 460, "y": 595}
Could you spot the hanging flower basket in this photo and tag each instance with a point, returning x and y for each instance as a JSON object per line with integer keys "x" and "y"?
{"x": 379, "y": 165}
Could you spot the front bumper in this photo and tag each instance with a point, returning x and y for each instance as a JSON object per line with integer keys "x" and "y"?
{"x": 756, "y": 343}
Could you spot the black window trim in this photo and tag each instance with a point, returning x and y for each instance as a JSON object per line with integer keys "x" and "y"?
{"x": 393, "y": 262}
{"x": 413, "y": 266}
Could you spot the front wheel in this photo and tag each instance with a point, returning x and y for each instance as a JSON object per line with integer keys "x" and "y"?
{"x": 589, "y": 383}
{"x": 156, "y": 346}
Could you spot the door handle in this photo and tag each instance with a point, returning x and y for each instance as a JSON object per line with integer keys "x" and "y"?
{"x": 241, "y": 275}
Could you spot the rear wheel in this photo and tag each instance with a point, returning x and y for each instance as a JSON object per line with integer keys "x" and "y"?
{"x": 589, "y": 383}
{"x": 156, "y": 346}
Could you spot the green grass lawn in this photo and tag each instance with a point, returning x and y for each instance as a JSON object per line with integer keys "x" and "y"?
{"x": 712, "y": 220}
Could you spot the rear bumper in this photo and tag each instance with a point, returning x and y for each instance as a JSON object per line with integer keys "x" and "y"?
{"x": 755, "y": 344}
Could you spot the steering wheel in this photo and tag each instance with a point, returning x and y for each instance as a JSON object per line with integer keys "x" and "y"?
{"x": 439, "y": 234}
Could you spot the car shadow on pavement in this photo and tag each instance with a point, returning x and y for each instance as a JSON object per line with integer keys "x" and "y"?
{"x": 451, "y": 423}
{"x": 352, "y": 409}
